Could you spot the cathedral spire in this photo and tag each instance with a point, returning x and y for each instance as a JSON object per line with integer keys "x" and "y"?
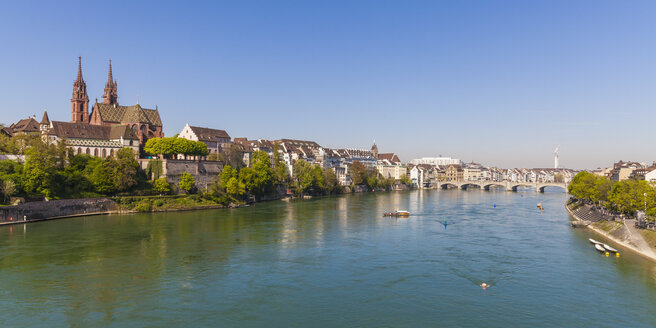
{"x": 79, "y": 70}
{"x": 110, "y": 78}
{"x": 80, "y": 99}
{"x": 111, "y": 94}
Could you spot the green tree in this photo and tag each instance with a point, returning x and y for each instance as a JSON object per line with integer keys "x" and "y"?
{"x": 162, "y": 186}
{"x": 603, "y": 186}
{"x": 235, "y": 188}
{"x": 101, "y": 177}
{"x": 628, "y": 196}
{"x": 405, "y": 179}
{"x": 248, "y": 177}
{"x": 331, "y": 184}
{"x": 583, "y": 185}
{"x": 303, "y": 176}
{"x": 125, "y": 169}
{"x": 187, "y": 182}
{"x": 8, "y": 188}
{"x": 263, "y": 173}
{"x": 199, "y": 148}
{"x": 39, "y": 170}
{"x": 358, "y": 173}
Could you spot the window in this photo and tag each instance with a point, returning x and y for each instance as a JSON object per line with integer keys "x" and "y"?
{"x": 95, "y": 152}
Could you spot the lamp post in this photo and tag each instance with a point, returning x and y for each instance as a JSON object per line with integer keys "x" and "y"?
{"x": 645, "y": 194}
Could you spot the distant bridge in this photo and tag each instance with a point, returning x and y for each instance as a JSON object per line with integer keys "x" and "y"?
{"x": 507, "y": 185}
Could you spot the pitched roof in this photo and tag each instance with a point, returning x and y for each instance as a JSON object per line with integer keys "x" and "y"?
{"x": 68, "y": 130}
{"x": 111, "y": 113}
{"x": 390, "y": 157}
{"x": 299, "y": 143}
{"x": 25, "y": 125}
{"x": 45, "y": 119}
{"x": 6, "y": 131}
{"x": 207, "y": 134}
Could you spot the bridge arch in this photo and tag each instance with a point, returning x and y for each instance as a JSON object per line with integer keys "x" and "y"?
{"x": 446, "y": 184}
{"x": 487, "y": 186}
{"x": 514, "y": 186}
{"x": 561, "y": 186}
{"x": 467, "y": 185}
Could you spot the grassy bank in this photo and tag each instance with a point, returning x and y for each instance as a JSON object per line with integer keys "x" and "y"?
{"x": 650, "y": 237}
{"x": 165, "y": 203}
{"x": 607, "y": 226}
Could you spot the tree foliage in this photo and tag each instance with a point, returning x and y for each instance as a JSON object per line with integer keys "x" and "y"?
{"x": 162, "y": 186}
{"x": 625, "y": 196}
{"x": 187, "y": 182}
{"x": 167, "y": 147}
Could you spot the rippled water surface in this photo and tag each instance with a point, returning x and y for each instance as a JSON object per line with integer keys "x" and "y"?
{"x": 329, "y": 262}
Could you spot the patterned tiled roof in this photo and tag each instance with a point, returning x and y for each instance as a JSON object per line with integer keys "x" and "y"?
{"x": 128, "y": 114}
{"x": 68, "y": 130}
{"x": 93, "y": 143}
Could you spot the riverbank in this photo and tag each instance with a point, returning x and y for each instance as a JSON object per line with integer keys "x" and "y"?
{"x": 69, "y": 208}
{"x": 622, "y": 233}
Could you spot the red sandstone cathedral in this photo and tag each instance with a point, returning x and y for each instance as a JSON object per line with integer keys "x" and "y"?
{"x": 108, "y": 128}
{"x": 145, "y": 123}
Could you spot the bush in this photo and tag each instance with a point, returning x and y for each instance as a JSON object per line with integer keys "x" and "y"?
{"x": 143, "y": 206}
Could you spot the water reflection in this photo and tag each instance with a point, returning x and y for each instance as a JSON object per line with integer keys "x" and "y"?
{"x": 334, "y": 258}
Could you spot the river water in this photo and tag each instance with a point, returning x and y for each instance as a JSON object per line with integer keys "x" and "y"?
{"x": 328, "y": 262}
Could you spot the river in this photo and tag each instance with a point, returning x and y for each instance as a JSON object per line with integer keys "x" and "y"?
{"x": 325, "y": 262}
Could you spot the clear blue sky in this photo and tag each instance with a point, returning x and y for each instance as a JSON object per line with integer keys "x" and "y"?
{"x": 499, "y": 82}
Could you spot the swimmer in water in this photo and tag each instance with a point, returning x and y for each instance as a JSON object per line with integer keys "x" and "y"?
{"x": 484, "y": 286}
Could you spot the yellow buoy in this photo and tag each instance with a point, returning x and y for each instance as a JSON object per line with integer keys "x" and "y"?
{"x": 607, "y": 254}
{"x": 617, "y": 254}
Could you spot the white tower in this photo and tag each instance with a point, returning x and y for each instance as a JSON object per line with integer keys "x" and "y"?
{"x": 556, "y": 157}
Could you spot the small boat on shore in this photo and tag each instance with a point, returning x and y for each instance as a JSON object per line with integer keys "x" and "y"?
{"x": 600, "y": 248}
{"x": 610, "y": 249}
{"x": 402, "y": 214}
{"x": 594, "y": 241}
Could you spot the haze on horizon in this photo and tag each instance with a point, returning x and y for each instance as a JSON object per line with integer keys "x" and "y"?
{"x": 500, "y": 83}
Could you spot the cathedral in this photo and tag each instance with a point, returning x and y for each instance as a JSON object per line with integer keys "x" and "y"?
{"x": 108, "y": 127}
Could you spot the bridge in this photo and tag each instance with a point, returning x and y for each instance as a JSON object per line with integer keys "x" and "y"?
{"x": 507, "y": 185}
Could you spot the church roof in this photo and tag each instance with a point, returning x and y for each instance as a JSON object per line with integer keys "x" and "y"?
{"x": 207, "y": 134}
{"x": 45, "y": 119}
{"x": 68, "y": 130}
{"x": 111, "y": 113}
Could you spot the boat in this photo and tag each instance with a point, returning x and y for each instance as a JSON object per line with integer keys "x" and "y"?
{"x": 594, "y": 241}
{"x": 403, "y": 214}
{"x": 600, "y": 248}
{"x": 610, "y": 249}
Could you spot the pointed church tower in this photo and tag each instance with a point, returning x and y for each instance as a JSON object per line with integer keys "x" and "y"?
{"x": 374, "y": 150}
{"x": 80, "y": 100}
{"x": 111, "y": 95}
{"x": 44, "y": 125}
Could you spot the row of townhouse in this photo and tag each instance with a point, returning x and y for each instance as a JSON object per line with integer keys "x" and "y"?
{"x": 628, "y": 170}
{"x": 428, "y": 176}
{"x": 291, "y": 150}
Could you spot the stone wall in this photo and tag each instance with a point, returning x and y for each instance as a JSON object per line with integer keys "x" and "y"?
{"x": 56, "y": 208}
{"x": 202, "y": 171}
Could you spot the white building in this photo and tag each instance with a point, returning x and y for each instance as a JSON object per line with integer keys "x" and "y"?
{"x": 215, "y": 139}
{"x": 437, "y": 161}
